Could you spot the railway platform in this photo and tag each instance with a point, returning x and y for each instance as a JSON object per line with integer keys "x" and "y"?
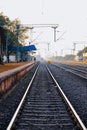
{"x": 9, "y": 68}
{"x": 12, "y": 73}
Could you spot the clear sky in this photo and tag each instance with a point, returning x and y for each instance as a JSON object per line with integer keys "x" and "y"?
{"x": 71, "y": 15}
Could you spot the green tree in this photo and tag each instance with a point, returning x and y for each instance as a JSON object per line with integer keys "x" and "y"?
{"x": 11, "y": 31}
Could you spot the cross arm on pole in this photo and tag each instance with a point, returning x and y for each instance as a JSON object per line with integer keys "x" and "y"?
{"x": 32, "y": 26}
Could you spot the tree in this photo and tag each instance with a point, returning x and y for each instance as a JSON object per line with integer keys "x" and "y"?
{"x": 11, "y": 31}
{"x": 12, "y": 26}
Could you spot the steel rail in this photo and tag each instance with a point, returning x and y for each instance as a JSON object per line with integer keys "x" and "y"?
{"x": 79, "y": 70}
{"x": 76, "y": 116}
{"x": 9, "y": 127}
{"x": 71, "y": 71}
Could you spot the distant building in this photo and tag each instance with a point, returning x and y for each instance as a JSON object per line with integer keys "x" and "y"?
{"x": 69, "y": 57}
{"x": 85, "y": 56}
{"x": 82, "y": 55}
{"x": 79, "y": 57}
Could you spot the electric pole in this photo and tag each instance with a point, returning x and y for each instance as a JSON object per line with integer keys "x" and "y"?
{"x": 17, "y": 33}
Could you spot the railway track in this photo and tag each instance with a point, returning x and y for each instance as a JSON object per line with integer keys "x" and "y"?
{"x": 10, "y": 99}
{"x": 77, "y": 70}
{"x": 43, "y": 106}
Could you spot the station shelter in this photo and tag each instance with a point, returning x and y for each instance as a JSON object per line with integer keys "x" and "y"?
{"x": 21, "y": 55}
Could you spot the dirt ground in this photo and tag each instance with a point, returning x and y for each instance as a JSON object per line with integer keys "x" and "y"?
{"x": 77, "y": 62}
{"x": 84, "y": 63}
{"x": 9, "y": 66}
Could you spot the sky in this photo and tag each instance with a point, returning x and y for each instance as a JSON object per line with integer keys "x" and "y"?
{"x": 71, "y": 15}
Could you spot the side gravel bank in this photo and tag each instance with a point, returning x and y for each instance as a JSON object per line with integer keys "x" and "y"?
{"x": 75, "y": 89}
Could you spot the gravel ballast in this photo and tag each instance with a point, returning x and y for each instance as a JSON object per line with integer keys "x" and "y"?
{"x": 75, "y": 89}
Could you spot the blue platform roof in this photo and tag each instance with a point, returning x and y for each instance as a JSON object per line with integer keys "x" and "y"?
{"x": 29, "y": 48}
{"x": 24, "y": 48}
